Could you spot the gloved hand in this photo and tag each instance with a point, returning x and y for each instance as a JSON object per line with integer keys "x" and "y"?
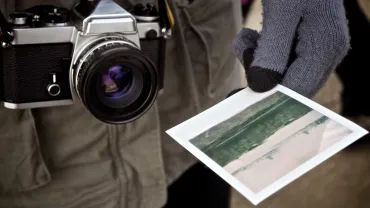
{"x": 300, "y": 44}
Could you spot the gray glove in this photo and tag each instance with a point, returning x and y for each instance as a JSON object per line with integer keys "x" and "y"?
{"x": 301, "y": 43}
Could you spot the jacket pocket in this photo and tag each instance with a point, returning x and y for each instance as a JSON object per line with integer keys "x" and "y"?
{"x": 22, "y": 166}
{"x": 209, "y": 29}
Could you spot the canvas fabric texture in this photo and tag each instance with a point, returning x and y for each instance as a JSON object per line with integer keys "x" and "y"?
{"x": 64, "y": 157}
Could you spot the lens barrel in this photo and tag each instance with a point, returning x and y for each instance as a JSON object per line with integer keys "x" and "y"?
{"x": 116, "y": 81}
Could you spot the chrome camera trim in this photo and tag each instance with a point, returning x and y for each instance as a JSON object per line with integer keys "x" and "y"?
{"x": 42, "y": 104}
{"x": 106, "y": 20}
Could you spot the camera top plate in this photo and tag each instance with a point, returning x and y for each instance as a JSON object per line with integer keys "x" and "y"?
{"x": 96, "y": 17}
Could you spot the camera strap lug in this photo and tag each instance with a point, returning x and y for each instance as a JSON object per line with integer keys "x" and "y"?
{"x": 6, "y": 33}
{"x": 167, "y": 33}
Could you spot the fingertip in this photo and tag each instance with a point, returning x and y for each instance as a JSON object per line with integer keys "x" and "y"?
{"x": 234, "y": 92}
{"x": 261, "y": 88}
{"x": 262, "y": 80}
{"x": 250, "y": 34}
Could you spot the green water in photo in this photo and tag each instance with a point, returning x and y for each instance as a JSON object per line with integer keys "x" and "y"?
{"x": 247, "y": 130}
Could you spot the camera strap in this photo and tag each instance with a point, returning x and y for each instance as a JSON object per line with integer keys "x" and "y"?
{"x": 167, "y": 20}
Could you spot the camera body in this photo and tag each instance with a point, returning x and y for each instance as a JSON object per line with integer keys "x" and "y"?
{"x": 58, "y": 56}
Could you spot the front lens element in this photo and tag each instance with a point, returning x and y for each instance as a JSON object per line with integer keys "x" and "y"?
{"x": 117, "y": 82}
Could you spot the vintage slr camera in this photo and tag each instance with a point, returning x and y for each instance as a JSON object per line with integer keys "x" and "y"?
{"x": 98, "y": 53}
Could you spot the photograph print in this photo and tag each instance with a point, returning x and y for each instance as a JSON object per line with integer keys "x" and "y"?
{"x": 269, "y": 139}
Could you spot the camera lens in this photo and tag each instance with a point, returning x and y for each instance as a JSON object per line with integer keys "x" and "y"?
{"x": 118, "y": 86}
{"x": 116, "y": 82}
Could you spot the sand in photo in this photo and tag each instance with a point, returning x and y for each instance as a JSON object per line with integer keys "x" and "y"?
{"x": 269, "y": 139}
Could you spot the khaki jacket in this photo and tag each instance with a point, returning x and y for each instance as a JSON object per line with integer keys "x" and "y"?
{"x": 365, "y": 7}
{"x": 64, "y": 157}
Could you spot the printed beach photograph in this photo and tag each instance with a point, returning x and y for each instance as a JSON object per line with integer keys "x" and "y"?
{"x": 269, "y": 139}
{"x": 270, "y": 142}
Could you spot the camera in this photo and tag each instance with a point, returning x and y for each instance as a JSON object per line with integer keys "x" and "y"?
{"x": 110, "y": 59}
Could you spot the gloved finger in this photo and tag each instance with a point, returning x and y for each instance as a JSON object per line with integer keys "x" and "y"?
{"x": 280, "y": 21}
{"x": 244, "y": 44}
{"x": 234, "y": 92}
{"x": 323, "y": 43}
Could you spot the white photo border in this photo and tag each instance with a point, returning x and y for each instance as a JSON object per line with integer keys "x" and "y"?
{"x": 233, "y": 105}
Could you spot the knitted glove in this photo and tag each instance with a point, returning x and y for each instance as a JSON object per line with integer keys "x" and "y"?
{"x": 301, "y": 43}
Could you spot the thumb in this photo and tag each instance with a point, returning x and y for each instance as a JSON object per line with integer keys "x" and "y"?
{"x": 244, "y": 45}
